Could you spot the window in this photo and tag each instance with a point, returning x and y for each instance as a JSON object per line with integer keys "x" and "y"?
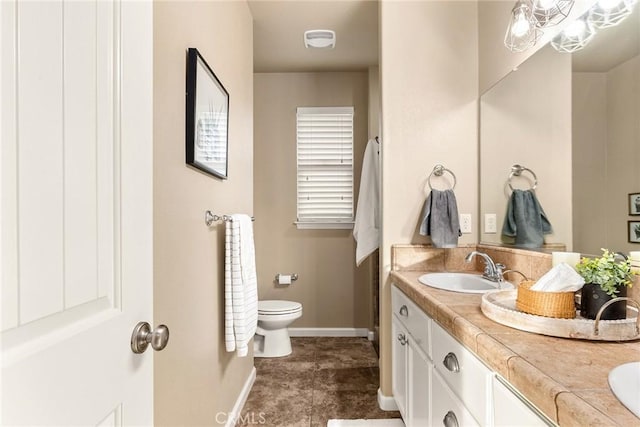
{"x": 325, "y": 167}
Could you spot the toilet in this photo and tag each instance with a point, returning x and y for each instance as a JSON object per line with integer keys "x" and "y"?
{"x": 272, "y": 336}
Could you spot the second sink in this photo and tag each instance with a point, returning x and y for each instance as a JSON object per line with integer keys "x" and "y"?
{"x": 461, "y": 282}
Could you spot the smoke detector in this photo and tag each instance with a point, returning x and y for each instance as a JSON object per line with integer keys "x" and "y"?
{"x": 320, "y": 39}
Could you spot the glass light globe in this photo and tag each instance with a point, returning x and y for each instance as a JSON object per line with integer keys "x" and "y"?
{"x": 609, "y": 13}
{"x": 522, "y": 32}
{"x": 575, "y": 37}
{"x": 550, "y": 12}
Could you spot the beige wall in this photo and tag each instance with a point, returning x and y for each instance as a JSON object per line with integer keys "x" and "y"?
{"x": 374, "y": 102}
{"x": 589, "y": 153}
{"x": 429, "y": 86}
{"x": 333, "y": 292}
{"x": 195, "y": 378}
{"x": 623, "y": 150}
{"x": 606, "y": 152}
{"x": 526, "y": 120}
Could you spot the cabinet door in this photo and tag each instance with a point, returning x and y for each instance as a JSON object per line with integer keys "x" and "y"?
{"x": 509, "y": 409}
{"x": 399, "y": 365}
{"x": 419, "y": 375}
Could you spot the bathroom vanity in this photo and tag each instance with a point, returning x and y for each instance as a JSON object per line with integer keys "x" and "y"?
{"x": 453, "y": 366}
{"x": 436, "y": 380}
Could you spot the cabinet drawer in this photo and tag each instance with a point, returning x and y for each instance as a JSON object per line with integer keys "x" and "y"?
{"x": 467, "y": 376}
{"x": 446, "y": 408}
{"x": 413, "y": 318}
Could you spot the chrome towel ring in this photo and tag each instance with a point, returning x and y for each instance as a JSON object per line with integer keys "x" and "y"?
{"x": 439, "y": 170}
{"x": 516, "y": 170}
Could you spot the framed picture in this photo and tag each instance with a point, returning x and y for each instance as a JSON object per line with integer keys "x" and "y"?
{"x": 634, "y": 231}
{"x": 207, "y": 118}
{"x": 634, "y": 204}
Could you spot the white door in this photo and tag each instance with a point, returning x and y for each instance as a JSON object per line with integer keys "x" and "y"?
{"x": 76, "y": 110}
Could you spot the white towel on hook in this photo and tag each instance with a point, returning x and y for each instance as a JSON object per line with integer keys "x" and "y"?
{"x": 366, "y": 230}
{"x": 240, "y": 284}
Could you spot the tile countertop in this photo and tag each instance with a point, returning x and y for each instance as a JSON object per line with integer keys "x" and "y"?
{"x": 566, "y": 379}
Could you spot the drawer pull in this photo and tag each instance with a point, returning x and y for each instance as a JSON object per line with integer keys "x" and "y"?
{"x": 403, "y": 339}
{"x": 404, "y": 311}
{"x": 450, "y": 420}
{"x": 451, "y": 362}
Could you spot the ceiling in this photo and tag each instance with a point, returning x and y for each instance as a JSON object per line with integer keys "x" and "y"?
{"x": 278, "y": 28}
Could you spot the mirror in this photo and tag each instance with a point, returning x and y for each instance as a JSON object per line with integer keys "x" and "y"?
{"x": 574, "y": 121}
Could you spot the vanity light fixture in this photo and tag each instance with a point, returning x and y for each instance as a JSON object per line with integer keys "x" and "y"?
{"x": 550, "y": 12}
{"x": 575, "y": 37}
{"x": 522, "y": 32}
{"x": 609, "y": 13}
{"x": 320, "y": 39}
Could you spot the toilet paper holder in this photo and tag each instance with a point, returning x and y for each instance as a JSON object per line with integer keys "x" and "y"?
{"x": 294, "y": 276}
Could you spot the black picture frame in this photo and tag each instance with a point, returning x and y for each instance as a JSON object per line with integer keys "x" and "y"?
{"x": 634, "y": 231}
{"x": 207, "y": 118}
{"x": 634, "y": 204}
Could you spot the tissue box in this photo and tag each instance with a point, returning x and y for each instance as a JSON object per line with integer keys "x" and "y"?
{"x": 547, "y": 304}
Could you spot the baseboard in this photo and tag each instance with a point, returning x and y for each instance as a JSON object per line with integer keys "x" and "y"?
{"x": 371, "y": 336}
{"x": 386, "y": 403}
{"x": 233, "y": 417}
{"x": 328, "y": 332}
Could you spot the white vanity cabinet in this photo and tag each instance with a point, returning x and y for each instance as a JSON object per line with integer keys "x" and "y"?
{"x": 412, "y": 366}
{"x": 438, "y": 382}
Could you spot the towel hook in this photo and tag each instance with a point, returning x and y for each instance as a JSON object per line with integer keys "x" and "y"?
{"x": 439, "y": 170}
{"x": 516, "y": 170}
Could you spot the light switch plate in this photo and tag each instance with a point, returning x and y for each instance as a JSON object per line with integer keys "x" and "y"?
{"x": 465, "y": 223}
{"x": 490, "y": 223}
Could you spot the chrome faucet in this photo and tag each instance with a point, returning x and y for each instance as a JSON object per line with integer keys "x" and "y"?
{"x": 492, "y": 271}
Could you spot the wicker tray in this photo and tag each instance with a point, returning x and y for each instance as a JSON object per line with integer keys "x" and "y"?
{"x": 500, "y": 306}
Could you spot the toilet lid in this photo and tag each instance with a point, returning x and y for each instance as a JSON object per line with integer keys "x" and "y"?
{"x": 278, "y": 306}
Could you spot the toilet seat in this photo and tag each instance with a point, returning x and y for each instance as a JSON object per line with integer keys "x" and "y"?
{"x": 278, "y": 307}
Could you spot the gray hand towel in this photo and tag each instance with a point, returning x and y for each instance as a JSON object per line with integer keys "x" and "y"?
{"x": 526, "y": 220}
{"x": 440, "y": 219}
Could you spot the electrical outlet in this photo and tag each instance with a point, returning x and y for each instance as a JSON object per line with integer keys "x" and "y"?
{"x": 490, "y": 223}
{"x": 465, "y": 223}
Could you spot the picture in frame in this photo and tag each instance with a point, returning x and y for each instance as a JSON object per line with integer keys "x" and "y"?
{"x": 207, "y": 118}
{"x": 634, "y": 231}
{"x": 634, "y": 203}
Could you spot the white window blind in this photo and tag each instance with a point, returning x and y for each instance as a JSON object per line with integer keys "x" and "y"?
{"x": 325, "y": 166}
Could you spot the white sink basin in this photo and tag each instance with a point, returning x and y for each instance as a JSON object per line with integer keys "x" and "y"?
{"x": 624, "y": 381}
{"x": 461, "y": 282}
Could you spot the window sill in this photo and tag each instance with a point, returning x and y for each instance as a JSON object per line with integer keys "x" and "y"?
{"x": 346, "y": 225}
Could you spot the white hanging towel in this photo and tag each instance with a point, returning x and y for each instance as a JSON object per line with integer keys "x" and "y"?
{"x": 240, "y": 285}
{"x": 366, "y": 230}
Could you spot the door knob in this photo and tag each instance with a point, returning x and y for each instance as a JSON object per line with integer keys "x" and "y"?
{"x": 142, "y": 336}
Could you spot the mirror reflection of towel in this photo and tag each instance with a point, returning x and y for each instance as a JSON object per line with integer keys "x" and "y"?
{"x": 440, "y": 219}
{"x": 526, "y": 220}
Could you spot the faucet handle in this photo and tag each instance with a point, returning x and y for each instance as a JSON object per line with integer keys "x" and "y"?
{"x": 500, "y": 271}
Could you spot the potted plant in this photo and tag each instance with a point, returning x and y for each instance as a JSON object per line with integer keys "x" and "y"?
{"x": 605, "y": 279}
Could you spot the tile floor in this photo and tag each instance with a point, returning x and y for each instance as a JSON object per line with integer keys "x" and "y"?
{"x": 323, "y": 378}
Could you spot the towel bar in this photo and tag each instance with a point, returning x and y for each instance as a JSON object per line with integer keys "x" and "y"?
{"x": 210, "y": 218}
{"x": 439, "y": 170}
{"x": 516, "y": 170}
